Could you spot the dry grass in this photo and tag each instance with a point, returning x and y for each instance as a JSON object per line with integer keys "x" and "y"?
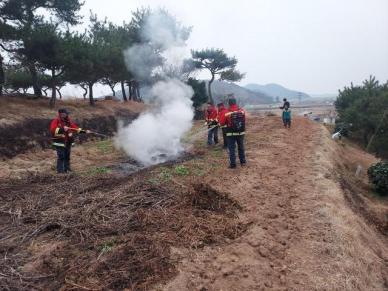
{"x": 352, "y": 253}
{"x": 85, "y": 157}
{"x": 14, "y": 110}
{"x": 101, "y": 232}
{"x": 357, "y": 189}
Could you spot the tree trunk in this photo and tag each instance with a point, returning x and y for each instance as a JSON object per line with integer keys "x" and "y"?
{"x": 35, "y": 84}
{"x": 59, "y": 93}
{"x": 2, "y": 76}
{"x": 53, "y": 89}
{"x": 210, "y": 90}
{"x": 365, "y": 138}
{"x": 123, "y": 91}
{"x": 130, "y": 92}
{"x": 45, "y": 91}
{"x": 91, "y": 99}
{"x": 137, "y": 90}
{"x": 112, "y": 87}
{"x": 85, "y": 90}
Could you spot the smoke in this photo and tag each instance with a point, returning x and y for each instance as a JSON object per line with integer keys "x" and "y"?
{"x": 155, "y": 136}
{"x": 142, "y": 60}
{"x": 163, "y": 31}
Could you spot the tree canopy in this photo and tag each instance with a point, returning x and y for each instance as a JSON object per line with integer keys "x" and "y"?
{"x": 217, "y": 62}
{"x": 364, "y": 109}
{"x": 44, "y": 53}
{"x": 22, "y": 20}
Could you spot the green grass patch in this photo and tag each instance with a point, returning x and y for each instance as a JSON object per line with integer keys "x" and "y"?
{"x": 107, "y": 247}
{"x": 98, "y": 171}
{"x": 182, "y": 170}
{"x": 165, "y": 174}
{"x": 105, "y": 146}
{"x": 217, "y": 152}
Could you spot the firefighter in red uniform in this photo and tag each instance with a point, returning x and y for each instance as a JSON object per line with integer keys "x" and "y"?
{"x": 235, "y": 132}
{"x": 221, "y": 116}
{"x": 62, "y": 130}
{"x": 211, "y": 117}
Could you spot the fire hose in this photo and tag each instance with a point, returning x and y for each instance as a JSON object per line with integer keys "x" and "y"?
{"x": 202, "y": 131}
{"x": 91, "y": 131}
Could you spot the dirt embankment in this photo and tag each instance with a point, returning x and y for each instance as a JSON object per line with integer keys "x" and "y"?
{"x": 352, "y": 169}
{"x": 24, "y": 123}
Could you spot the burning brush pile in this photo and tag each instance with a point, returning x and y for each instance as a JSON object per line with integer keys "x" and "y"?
{"x": 103, "y": 232}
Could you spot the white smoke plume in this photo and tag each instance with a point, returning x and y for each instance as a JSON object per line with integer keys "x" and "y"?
{"x": 156, "y": 135}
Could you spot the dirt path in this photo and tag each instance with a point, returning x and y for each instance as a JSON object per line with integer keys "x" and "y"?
{"x": 302, "y": 234}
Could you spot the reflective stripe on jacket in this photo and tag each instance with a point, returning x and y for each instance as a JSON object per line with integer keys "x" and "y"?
{"x": 58, "y": 135}
{"x": 228, "y": 120}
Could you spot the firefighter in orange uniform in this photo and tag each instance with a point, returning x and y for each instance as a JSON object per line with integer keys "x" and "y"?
{"x": 235, "y": 132}
{"x": 221, "y": 116}
{"x": 62, "y": 131}
{"x": 211, "y": 117}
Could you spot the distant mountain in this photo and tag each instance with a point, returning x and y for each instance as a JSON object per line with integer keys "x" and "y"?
{"x": 221, "y": 89}
{"x": 275, "y": 90}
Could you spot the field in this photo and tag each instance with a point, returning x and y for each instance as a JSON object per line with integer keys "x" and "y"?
{"x": 295, "y": 218}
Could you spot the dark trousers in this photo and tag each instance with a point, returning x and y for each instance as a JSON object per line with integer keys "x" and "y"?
{"x": 224, "y": 137}
{"x": 232, "y": 141}
{"x": 63, "y": 159}
{"x": 287, "y": 122}
{"x": 212, "y": 135}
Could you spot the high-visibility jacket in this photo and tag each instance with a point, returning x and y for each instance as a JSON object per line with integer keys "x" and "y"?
{"x": 228, "y": 121}
{"x": 211, "y": 116}
{"x": 221, "y": 116}
{"x": 59, "y": 136}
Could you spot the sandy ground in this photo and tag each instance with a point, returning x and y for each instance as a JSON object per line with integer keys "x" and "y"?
{"x": 302, "y": 234}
